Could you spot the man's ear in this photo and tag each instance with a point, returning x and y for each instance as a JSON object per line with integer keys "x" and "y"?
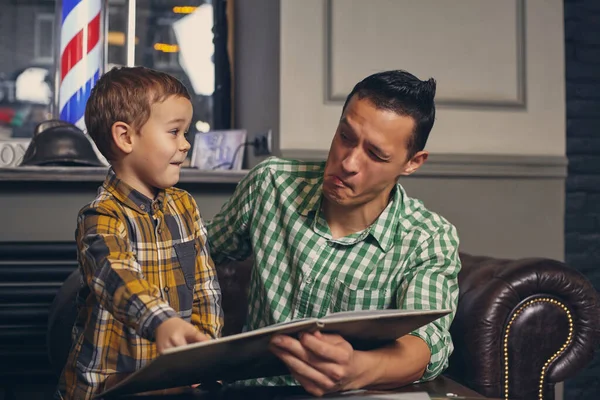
{"x": 123, "y": 136}
{"x": 415, "y": 162}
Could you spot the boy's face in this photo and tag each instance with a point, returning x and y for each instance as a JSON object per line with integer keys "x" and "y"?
{"x": 160, "y": 147}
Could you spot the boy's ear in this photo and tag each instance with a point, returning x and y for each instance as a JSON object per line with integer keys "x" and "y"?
{"x": 415, "y": 162}
{"x": 123, "y": 136}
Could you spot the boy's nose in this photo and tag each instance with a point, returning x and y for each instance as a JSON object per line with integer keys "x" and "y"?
{"x": 186, "y": 146}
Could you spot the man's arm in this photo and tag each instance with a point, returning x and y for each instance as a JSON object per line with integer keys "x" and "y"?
{"x": 207, "y": 312}
{"x": 433, "y": 284}
{"x": 228, "y": 231}
{"x": 114, "y": 276}
{"x": 327, "y": 363}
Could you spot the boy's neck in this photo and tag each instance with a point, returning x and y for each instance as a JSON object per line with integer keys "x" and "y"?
{"x": 131, "y": 179}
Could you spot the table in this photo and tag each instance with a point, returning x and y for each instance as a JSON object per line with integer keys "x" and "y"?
{"x": 438, "y": 389}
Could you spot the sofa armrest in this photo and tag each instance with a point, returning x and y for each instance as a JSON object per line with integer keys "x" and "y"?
{"x": 522, "y": 326}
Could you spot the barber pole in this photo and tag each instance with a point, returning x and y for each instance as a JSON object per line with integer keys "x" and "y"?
{"x": 81, "y": 61}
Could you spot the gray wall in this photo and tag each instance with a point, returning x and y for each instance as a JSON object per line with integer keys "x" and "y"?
{"x": 47, "y": 211}
{"x": 501, "y": 217}
{"x": 500, "y": 211}
{"x": 504, "y": 217}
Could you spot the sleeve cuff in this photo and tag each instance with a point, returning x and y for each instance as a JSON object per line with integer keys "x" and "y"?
{"x": 153, "y": 318}
{"x": 435, "y": 365}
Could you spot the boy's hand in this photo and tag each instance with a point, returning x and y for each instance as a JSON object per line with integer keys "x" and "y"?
{"x": 177, "y": 332}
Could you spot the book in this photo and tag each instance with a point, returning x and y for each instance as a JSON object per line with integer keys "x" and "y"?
{"x": 246, "y": 355}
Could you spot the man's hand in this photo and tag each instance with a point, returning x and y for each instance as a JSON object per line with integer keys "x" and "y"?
{"x": 322, "y": 363}
{"x": 177, "y": 332}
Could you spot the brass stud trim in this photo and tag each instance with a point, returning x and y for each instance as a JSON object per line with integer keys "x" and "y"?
{"x": 552, "y": 358}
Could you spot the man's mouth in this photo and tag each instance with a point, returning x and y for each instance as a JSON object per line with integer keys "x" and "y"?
{"x": 337, "y": 181}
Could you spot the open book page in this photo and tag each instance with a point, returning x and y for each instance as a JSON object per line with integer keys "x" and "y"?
{"x": 375, "y": 314}
{"x": 328, "y": 323}
{"x": 247, "y": 355}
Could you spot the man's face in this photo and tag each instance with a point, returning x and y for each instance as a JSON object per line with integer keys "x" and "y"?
{"x": 368, "y": 154}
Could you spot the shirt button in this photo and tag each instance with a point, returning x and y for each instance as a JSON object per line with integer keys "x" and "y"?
{"x": 330, "y": 244}
{"x": 159, "y": 231}
{"x": 166, "y": 288}
{"x": 309, "y": 279}
{"x": 142, "y": 207}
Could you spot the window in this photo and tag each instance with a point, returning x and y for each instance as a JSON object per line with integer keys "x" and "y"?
{"x": 166, "y": 49}
{"x": 175, "y": 36}
{"x": 43, "y": 33}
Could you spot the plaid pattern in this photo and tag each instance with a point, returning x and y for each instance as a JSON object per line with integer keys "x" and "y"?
{"x": 143, "y": 261}
{"x": 407, "y": 259}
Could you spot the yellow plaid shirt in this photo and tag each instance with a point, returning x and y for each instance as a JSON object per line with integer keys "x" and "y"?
{"x": 143, "y": 261}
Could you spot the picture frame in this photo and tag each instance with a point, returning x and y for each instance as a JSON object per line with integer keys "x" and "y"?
{"x": 219, "y": 150}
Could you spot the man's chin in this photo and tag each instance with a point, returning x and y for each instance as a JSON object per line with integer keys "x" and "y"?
{"x": 335, "y": 197}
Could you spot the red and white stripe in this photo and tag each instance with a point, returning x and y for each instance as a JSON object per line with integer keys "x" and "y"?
{"x": 80, "y": 52}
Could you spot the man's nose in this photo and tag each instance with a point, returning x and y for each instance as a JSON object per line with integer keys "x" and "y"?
{"x": 351, "y": 163}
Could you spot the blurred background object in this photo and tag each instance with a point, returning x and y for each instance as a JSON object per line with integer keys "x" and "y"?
{"x": 185, "y": 38}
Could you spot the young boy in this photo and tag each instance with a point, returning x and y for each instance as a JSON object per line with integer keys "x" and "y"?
{"x": 149, "y": 282}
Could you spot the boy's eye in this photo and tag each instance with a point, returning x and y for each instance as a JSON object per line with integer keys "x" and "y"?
{"x": 174, "y": 131}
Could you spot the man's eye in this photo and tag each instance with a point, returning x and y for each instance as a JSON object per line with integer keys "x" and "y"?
{"x": 375, "y": 156}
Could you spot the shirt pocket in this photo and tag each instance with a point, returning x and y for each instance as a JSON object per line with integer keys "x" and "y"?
{"x": 346, "y": 298}
{"x": 186, "y": 255}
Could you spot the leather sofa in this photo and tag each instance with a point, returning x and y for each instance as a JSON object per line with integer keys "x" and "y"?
{"x": 521, "y": 325}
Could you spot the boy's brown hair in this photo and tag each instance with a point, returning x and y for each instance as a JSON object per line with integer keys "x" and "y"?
{"x": 126, "y": 94}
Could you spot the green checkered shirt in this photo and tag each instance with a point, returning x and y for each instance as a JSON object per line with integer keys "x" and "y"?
{"x": 407, "y": 259}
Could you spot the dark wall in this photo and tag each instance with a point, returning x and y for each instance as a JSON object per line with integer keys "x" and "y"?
{"x": 16, "y": 34}
{"x": 256, "y": 71}
{"x": 582, "y": 217}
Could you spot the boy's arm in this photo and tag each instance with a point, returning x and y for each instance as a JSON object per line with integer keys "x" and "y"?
{"x": 113, "y": 274}
{"x": 229, "y": 231}
{"x": 207, "y": 313}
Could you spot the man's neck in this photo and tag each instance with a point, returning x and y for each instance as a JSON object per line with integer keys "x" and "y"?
{"x": 344, "y": 221}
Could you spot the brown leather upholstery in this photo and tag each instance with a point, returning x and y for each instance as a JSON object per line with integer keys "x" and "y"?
{"x": 533, "y": 303}
{"x": 546, "y": 311}
{"x": 492, "y": 292}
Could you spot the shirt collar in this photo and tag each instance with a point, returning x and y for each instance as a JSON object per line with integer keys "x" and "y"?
{"x": 383, "y": 230}
{"x": 312, "y": 199}
{"x": 131, "y": 197}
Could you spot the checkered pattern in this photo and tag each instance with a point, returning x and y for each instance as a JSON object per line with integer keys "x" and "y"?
{"x": 143, "y": 261}
{"x": 407, "y": 259}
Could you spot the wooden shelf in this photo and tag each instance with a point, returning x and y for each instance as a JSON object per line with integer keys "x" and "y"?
{"x": 89, "y": 174}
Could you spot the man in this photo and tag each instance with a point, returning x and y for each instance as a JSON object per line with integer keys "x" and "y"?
{"x": 343, "y": 235}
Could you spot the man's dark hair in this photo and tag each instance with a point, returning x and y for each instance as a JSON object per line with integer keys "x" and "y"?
{"x": 405, "y": 94}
